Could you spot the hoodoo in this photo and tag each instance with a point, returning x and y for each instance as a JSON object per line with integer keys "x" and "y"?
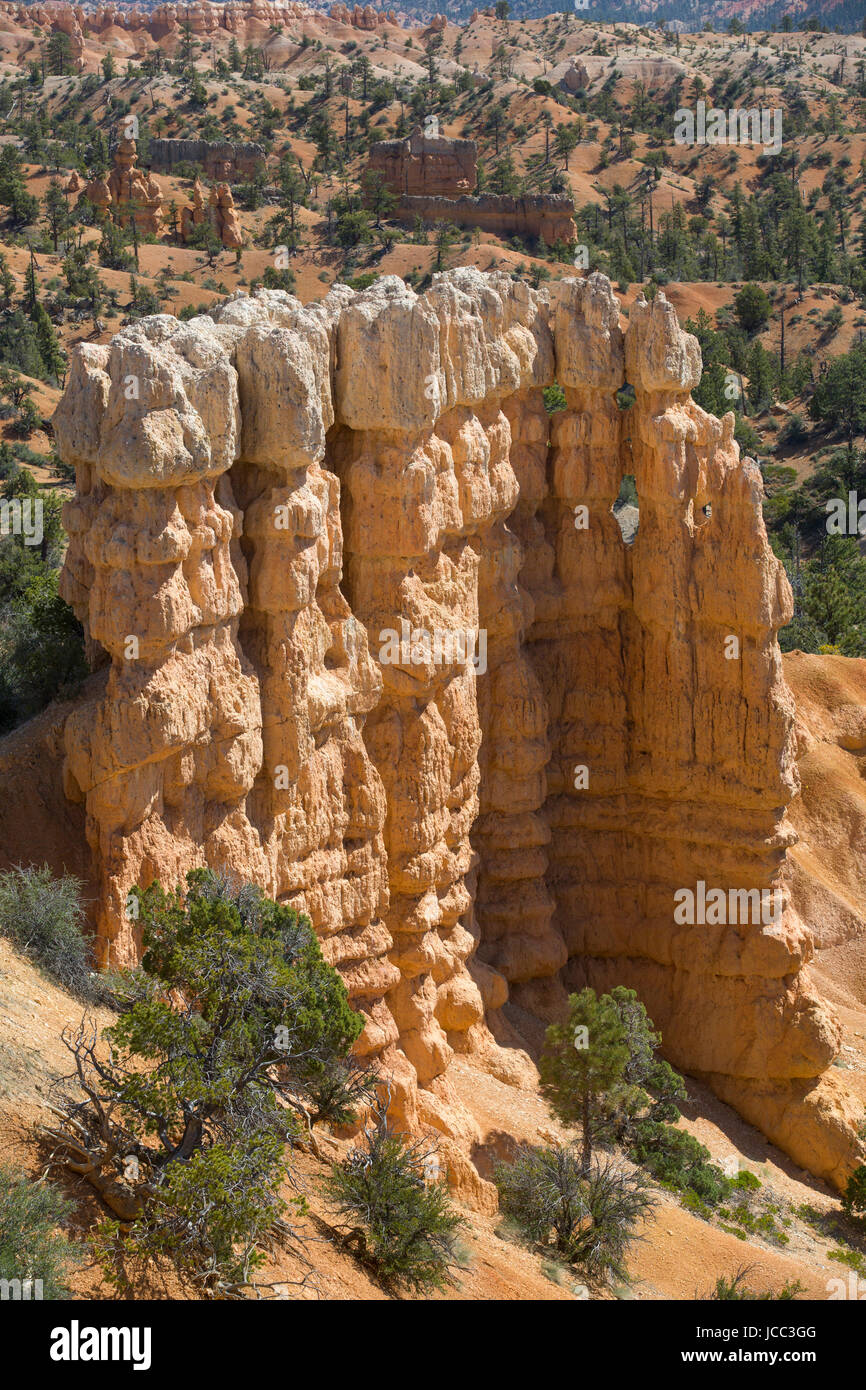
{"x": 287, "y": 483}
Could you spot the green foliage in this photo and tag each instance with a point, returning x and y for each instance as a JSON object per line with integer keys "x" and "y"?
{"x": 20, "y": 345}
{"x": 274, "y": 279}
{"x": 44, "y": 916}
{"x": 763, "y": 1223}
{"x": 47, "y": 342}
{"x": 233, "y": 1039}
{"x": 406, "y": 1226}
{"x": 41, "y": 641}
{"x": 852, "y": 1259}
{"x": 191, "y": 311}
{"x": 827, "y": 571}
{"x": 674, "y": 1157}
{"x": 752, "y": 308}
{"x": 30, "y": 1245}
{"x": 378, "y": 197}
{"x": 854, "y": 1199}
{"x": 353, "y": 227}
{"x": 601, "y": 1070}
{"x": 582, "y": 1067}
{"x": 735, "y": 1289}
{"x": 591, "y": 1216}
{"x": 794, "y": 430}
{"x": 23, "y": 207}
{"x": 839, "y": 398}
{"x": 554, "y": 398}
{"x": 112, "y": 248}
{"x": 650, "y": 1089}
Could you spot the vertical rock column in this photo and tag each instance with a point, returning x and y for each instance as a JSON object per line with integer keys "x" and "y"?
{"x": 577, "y": 575}
{"x": 711, "y": 757}
{"x": 318, "y": 802}
{"x": 165, "y": 759}
{"x": 424, "y": 458}
{"x": 524, "y": 952}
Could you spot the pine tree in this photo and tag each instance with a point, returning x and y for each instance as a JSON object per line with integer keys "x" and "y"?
{"x": 31, "y": 289}
{"x": 583, "y": 1062}
{"x": 49, "y": 347}
{"x": 7, "y": 283}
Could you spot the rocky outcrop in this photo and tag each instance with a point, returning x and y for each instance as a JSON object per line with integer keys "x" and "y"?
{"x": 225, "y": 218}
{"x": 193, "y": 215}
{"x": 222, "y": 160}
{"x": 425, "y": 165}
{"x": 256, "y": 20}
{"x": 537, "y": 217}
{"x": 375, "y": 640}
{"x": 225, "y": 594}
{"x": 362, "y": 17}
{"x": 657, "y": 73}
{"x": 220, "y": 213}
{"x": 434, "y": 179}
{"x": 131, "y": 193}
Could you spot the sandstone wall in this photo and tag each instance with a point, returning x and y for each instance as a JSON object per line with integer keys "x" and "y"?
{"x": 550, "y": 219}
{"x": 425, "y": 166}
{"x": 288, "y": 524}
{"x": 220, "y": 159}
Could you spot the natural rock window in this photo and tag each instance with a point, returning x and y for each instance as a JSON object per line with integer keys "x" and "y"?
{"x": 626, "y": 508}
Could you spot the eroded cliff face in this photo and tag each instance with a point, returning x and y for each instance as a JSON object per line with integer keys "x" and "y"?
{"x": 374, "y": 640}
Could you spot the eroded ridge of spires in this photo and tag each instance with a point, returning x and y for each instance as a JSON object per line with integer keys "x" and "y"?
{"x": 365, "y": 610}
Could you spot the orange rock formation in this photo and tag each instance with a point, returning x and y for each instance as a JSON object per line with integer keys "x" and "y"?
{"x": 132, "y": 193}
{"x": 426, "y": 165}
{"x": 367, "y": 616}
{"x": 434, "y": 178}
{"x": 254, "y": 20}
{"x": 225, "y": 218}
{"x": 220, "y": 212}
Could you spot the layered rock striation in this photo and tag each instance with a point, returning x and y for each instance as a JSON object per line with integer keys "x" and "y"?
{"x": 434, "y": 178}
{"x": 372, "y": 637}
{"x": 426, "y": 165}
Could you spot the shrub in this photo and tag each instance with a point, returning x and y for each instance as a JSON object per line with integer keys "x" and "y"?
{"x": 407, "y": 1225}
{"x": 736, "y": 1289}
{"x": 554, "y": 398}
{"x": 591, "y": 1217}
{"x": 854, "y": 1199}
{"x": 30, "y": 1245}
{"x": 794, "y": 430}
{"x": 752, "y": 308}
{"x": 232, "y": 1042}
{"x": 43, "y": 916}
{"x": 852, "y": 1259}
{"x": 676, "y": 1158}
